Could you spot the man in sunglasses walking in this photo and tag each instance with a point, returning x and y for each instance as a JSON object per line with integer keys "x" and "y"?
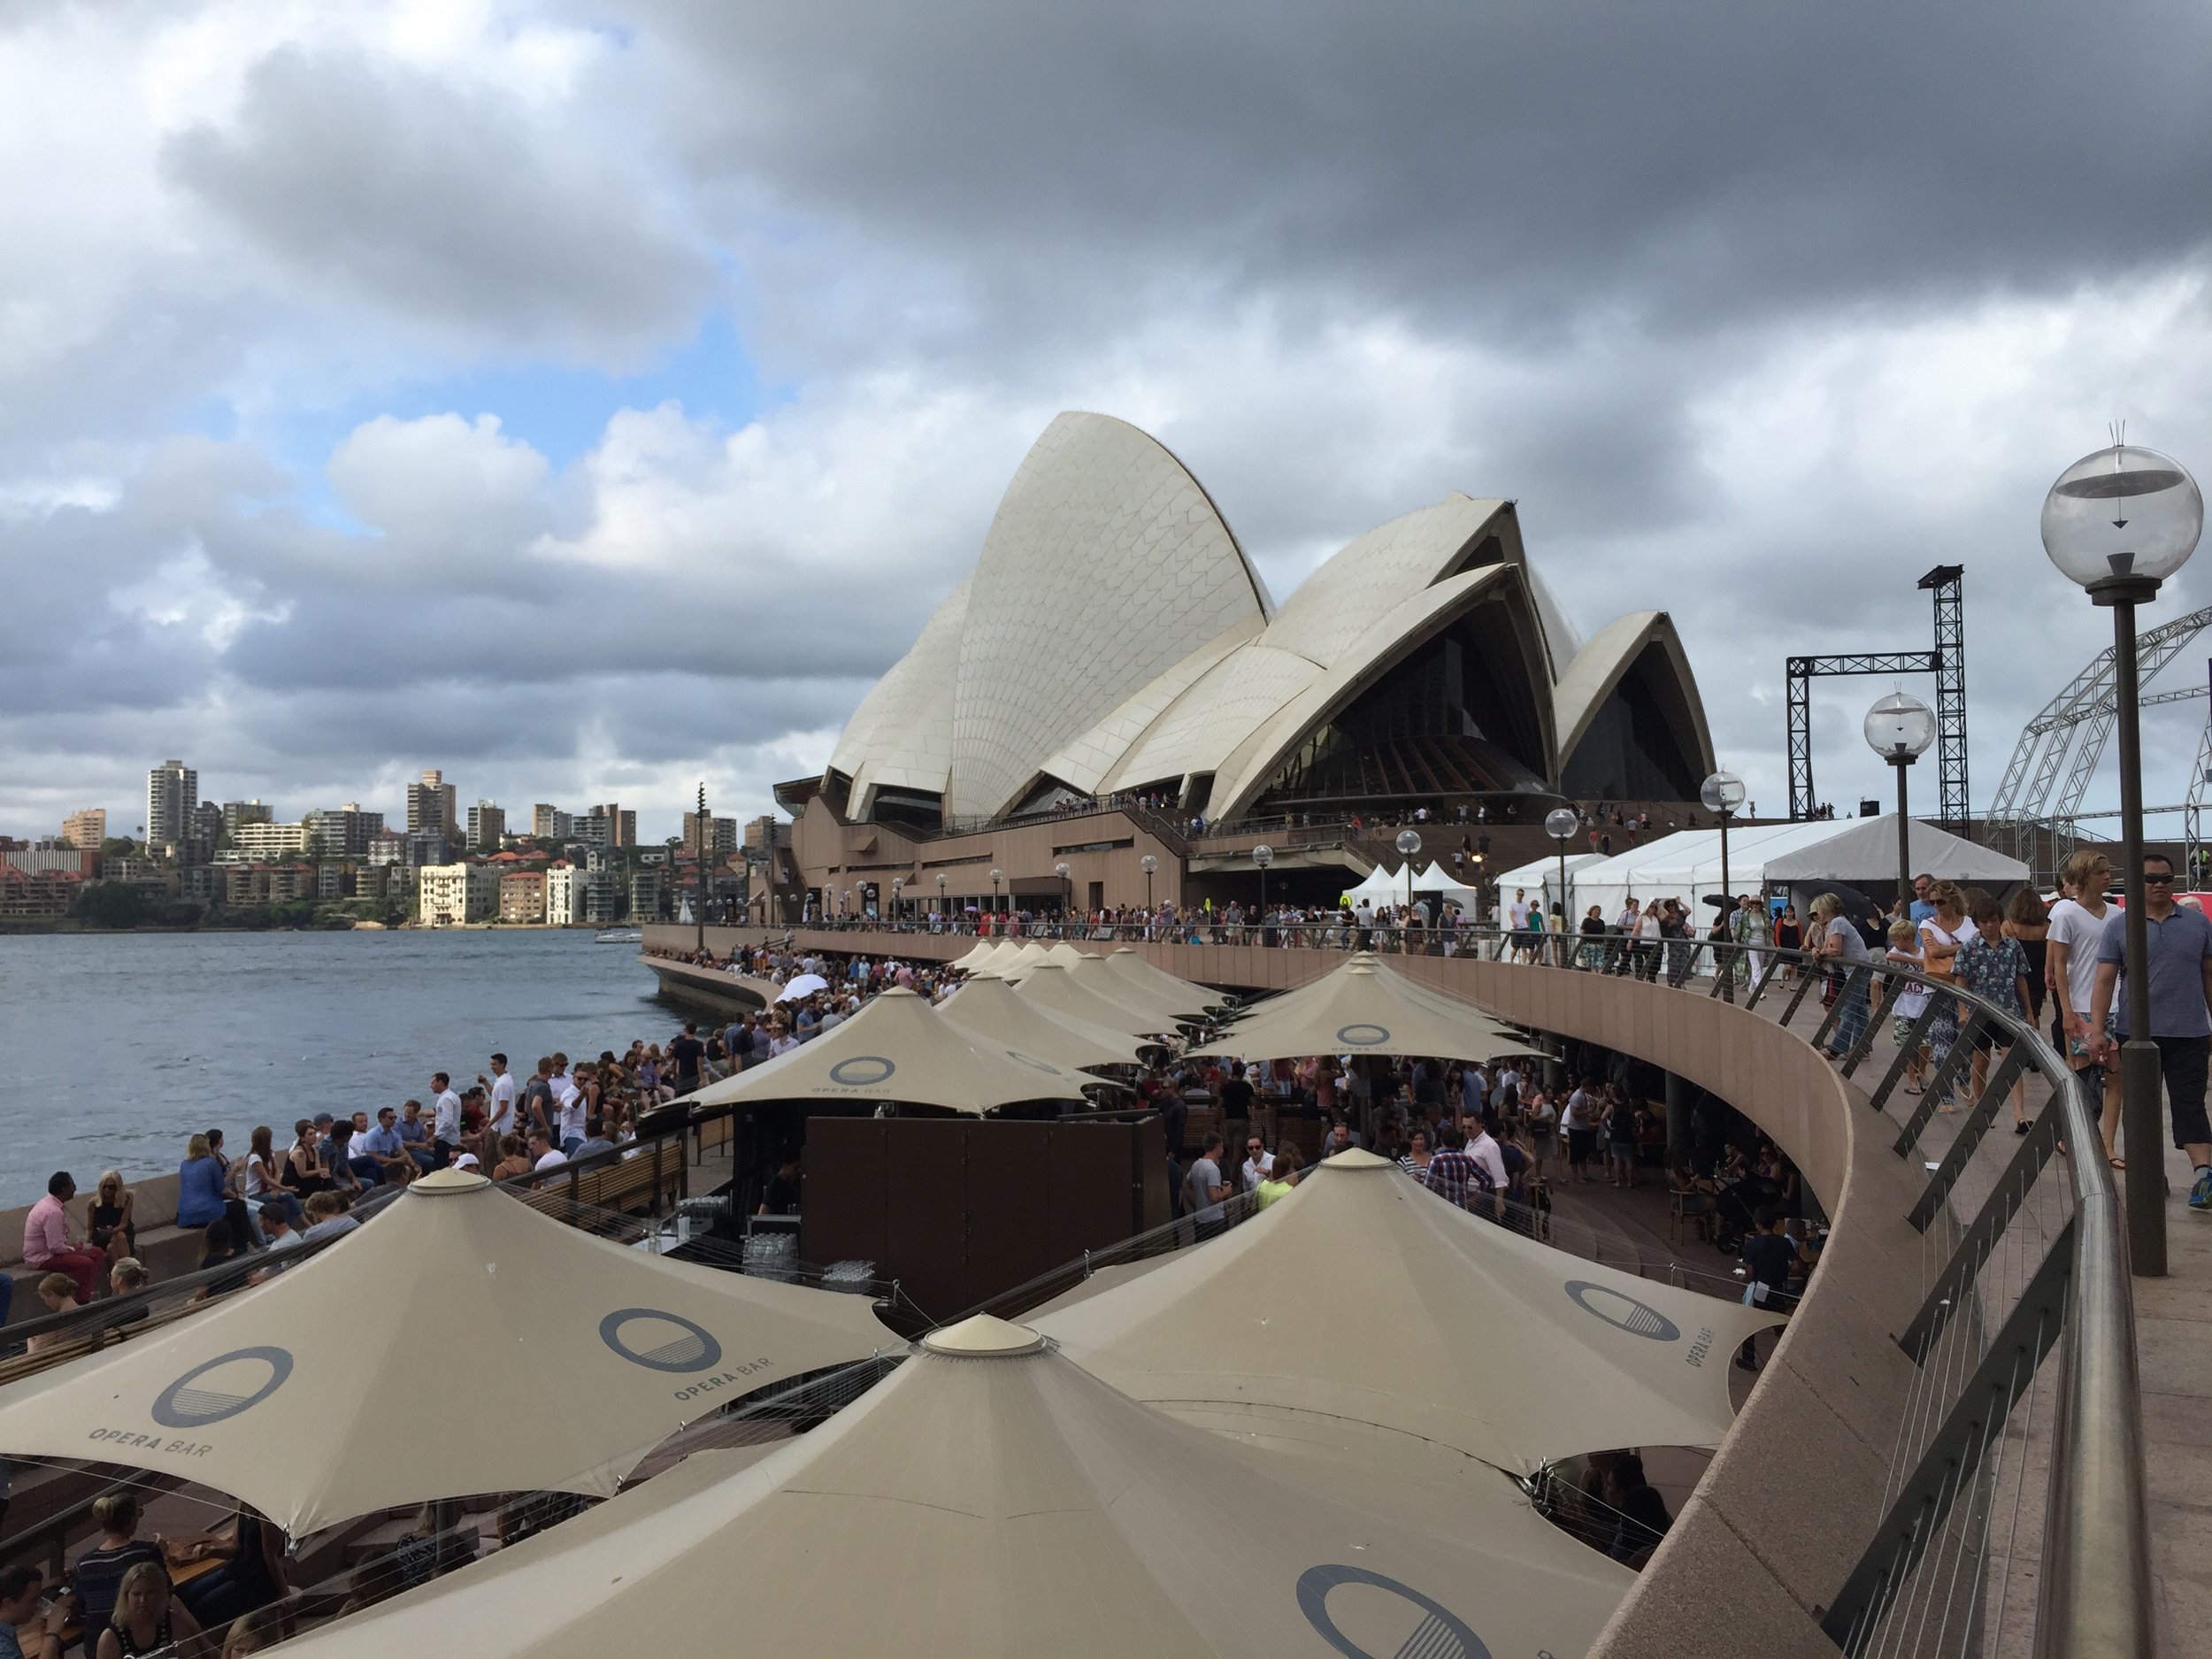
{"x": 2179, "y": 954}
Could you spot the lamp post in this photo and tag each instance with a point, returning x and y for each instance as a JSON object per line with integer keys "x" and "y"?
{"x": 997, "y": 876}
{"x": 1263, "y": 855}
{"x": 897, "y": 884}
{"x": 2119, "y": 522}
{"x": 1067, "y": 896}
{"x": 1409, "y": 844}
{"x": 1900, "y": 728}
{"x": 941, "y": 916}
{"x": 1147, "y": 863}
{"x": 1722, "y": 793}
{"x": 845, "y": 906}
{"x": 1561, "y": 823}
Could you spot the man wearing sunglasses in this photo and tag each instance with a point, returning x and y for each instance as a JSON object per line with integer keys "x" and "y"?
{"x": 2179, "y": 941}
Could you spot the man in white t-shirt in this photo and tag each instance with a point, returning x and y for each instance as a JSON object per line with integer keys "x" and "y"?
{"x": 1484, "y": 1151}
{"x": 445, "y": 1119}
{"x": 501, "y": 1098}
{"x": 1259, "y": 1162}
{"x": 1518, "y": 909}
{"x": 1204, "y": 1190}
{"x": 2069, "y": 969}
{"x": 543, "y": 1154}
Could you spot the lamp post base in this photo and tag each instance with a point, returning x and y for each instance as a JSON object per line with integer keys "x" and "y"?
{"x": 2144, "y": 1137}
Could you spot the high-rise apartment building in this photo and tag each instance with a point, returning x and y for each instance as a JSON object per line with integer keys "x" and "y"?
{"x": 237, "y": 812}
{"x": 342, "y": 832}
{"x": 448, "y": 893}
{"x": 721, "y": 835}
{"x": 433, "y": 804}
{"x": 487, "y": 824}
{"x": 173, "y": 799}
{"x": 86, "y": 827}
{"x": 256, "y": 842}
{"x": 621, "y": 826}
{"x": 549, "y": 823}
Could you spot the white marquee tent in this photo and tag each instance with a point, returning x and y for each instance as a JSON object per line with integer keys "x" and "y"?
{"x": 1686, "y": 866}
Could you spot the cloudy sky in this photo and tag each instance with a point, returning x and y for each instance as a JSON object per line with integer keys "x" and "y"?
{"x": 589, "y": 400}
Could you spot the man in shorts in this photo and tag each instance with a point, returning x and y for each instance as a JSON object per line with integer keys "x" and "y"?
{"x": 2178, "y": 949}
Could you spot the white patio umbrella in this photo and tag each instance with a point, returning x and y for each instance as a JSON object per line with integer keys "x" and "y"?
{"x": 989, "y": 1499}
{"x": 801, "y": 986}
{"x": 1054, "y": 988}
{"x": 897, "y": 1048}
{"x": 1377, "y": 1314}
{"x": 1366, "y": 1008}
{"x": 320, "y": 1395}
{"x": 991, "y": 1011}
{"x": 1135, "y": 967}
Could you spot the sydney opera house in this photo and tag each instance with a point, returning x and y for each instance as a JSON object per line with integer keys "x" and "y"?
{"x": 1114, "y": 644}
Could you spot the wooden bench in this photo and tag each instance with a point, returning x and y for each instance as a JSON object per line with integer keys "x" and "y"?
{"x": 627, "y": 1185}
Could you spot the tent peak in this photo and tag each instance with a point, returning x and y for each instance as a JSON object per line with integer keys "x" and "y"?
{"x": 1355, "y": 1158}
{"x": 447, "y": 1183}
{"x": 984, "y": 1337}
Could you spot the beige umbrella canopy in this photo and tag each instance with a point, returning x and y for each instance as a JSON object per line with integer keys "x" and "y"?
{"x": 978, "y": 956}
{"x": 1056, "y": 989}
{"x": 1134, "y": 967}
{"x": 898, "y": 1048}
{"x": 1065, "y": 955}
{"x": 1093, "y": 974}
{"x": 1362, "y": 1299}
{"x": 1365, "y": 1008}
{"x": 327, "y": 1391}
{"x": 989, "y": 1499}
{"x": 990, "y": 1011}
{"x": 997, "y": 956}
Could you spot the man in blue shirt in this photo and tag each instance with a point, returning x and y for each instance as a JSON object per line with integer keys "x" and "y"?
{"x": 383, "y": 1143}
{"x": 2178, "y": 950}
{"x": 1921, "y": 908}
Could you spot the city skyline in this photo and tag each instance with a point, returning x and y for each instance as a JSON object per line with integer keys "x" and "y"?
{"x": 618, "y": 429}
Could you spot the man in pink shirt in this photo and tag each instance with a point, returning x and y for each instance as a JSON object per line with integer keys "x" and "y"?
{"x": 46, "y": 1242}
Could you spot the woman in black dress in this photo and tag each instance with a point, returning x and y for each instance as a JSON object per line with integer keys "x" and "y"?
{"x": 112, "y": 1229}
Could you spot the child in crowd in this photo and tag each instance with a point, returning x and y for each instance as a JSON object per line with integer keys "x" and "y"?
{"x": 1912, "y": 1002}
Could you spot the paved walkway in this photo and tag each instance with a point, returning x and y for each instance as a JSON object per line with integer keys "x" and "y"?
{"x": 2173, "y": 1345}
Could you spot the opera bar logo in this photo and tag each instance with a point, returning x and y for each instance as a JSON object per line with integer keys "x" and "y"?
{"x": 659, "y": 1341}
{"x": 1363, "y": 1035}
{"x": 1363, "y": 1615}
{"x": 222, "y": 1387}
{"x": 862, "y": 1070}
{"x": 1638, "y": 1319}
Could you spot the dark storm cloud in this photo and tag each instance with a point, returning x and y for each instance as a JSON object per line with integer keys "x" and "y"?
{"x": 377, "y": 181}
{"x": 1516, "y": 164}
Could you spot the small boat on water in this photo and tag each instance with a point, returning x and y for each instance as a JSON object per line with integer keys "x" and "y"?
{"x": 618, "y": 936}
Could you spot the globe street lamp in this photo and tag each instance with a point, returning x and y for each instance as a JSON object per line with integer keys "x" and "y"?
{"x": 1066, "y": 896}
{"x": 2119, "y": 522}
{"x": 1147, "y": 863}
{"x": 1409, "y": 844}
{"x": 1263, "y": 855}
{"x": 1722, "y": 793}
{"x": 1561, "y": 823}
{"x": 897, "y": 883}
{"x": 941, "y": 916}
{"x": 1900, "y": 728}
{"x": 997, "y": 877}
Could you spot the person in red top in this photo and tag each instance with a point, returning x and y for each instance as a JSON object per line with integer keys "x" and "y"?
{"x": 47, "y": 1245}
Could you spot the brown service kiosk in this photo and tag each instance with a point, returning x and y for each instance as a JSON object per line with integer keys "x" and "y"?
{"x": 958, "y": 1210}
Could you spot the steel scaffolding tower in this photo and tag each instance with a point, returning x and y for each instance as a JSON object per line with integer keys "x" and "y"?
{"x": 1947, "y": 662}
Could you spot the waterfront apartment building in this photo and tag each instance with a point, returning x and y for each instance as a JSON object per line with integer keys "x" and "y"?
{"x": 587, "y": 897}
{"x": 343, "y": 831}
{"x": 487, "y": 823}
{"x": 648, "y": 891}
{"x": 721, "y": 833}
{"x": 253, "y": 843}
{"x": 86, "y": 827}
{"x": 48, "y": 859}
{"x": 549, "y": 823}
{"x": 621, "y": 826}
{"x": 173, "y": 801}
{"x": 448, "y": 893}
{"x": 522, "y": 896}
{"x": 433, "y": 804}
{"x": 237, "y": 812}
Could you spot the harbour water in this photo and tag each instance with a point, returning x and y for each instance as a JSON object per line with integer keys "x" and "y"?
{"x": 116, "y": 1048}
